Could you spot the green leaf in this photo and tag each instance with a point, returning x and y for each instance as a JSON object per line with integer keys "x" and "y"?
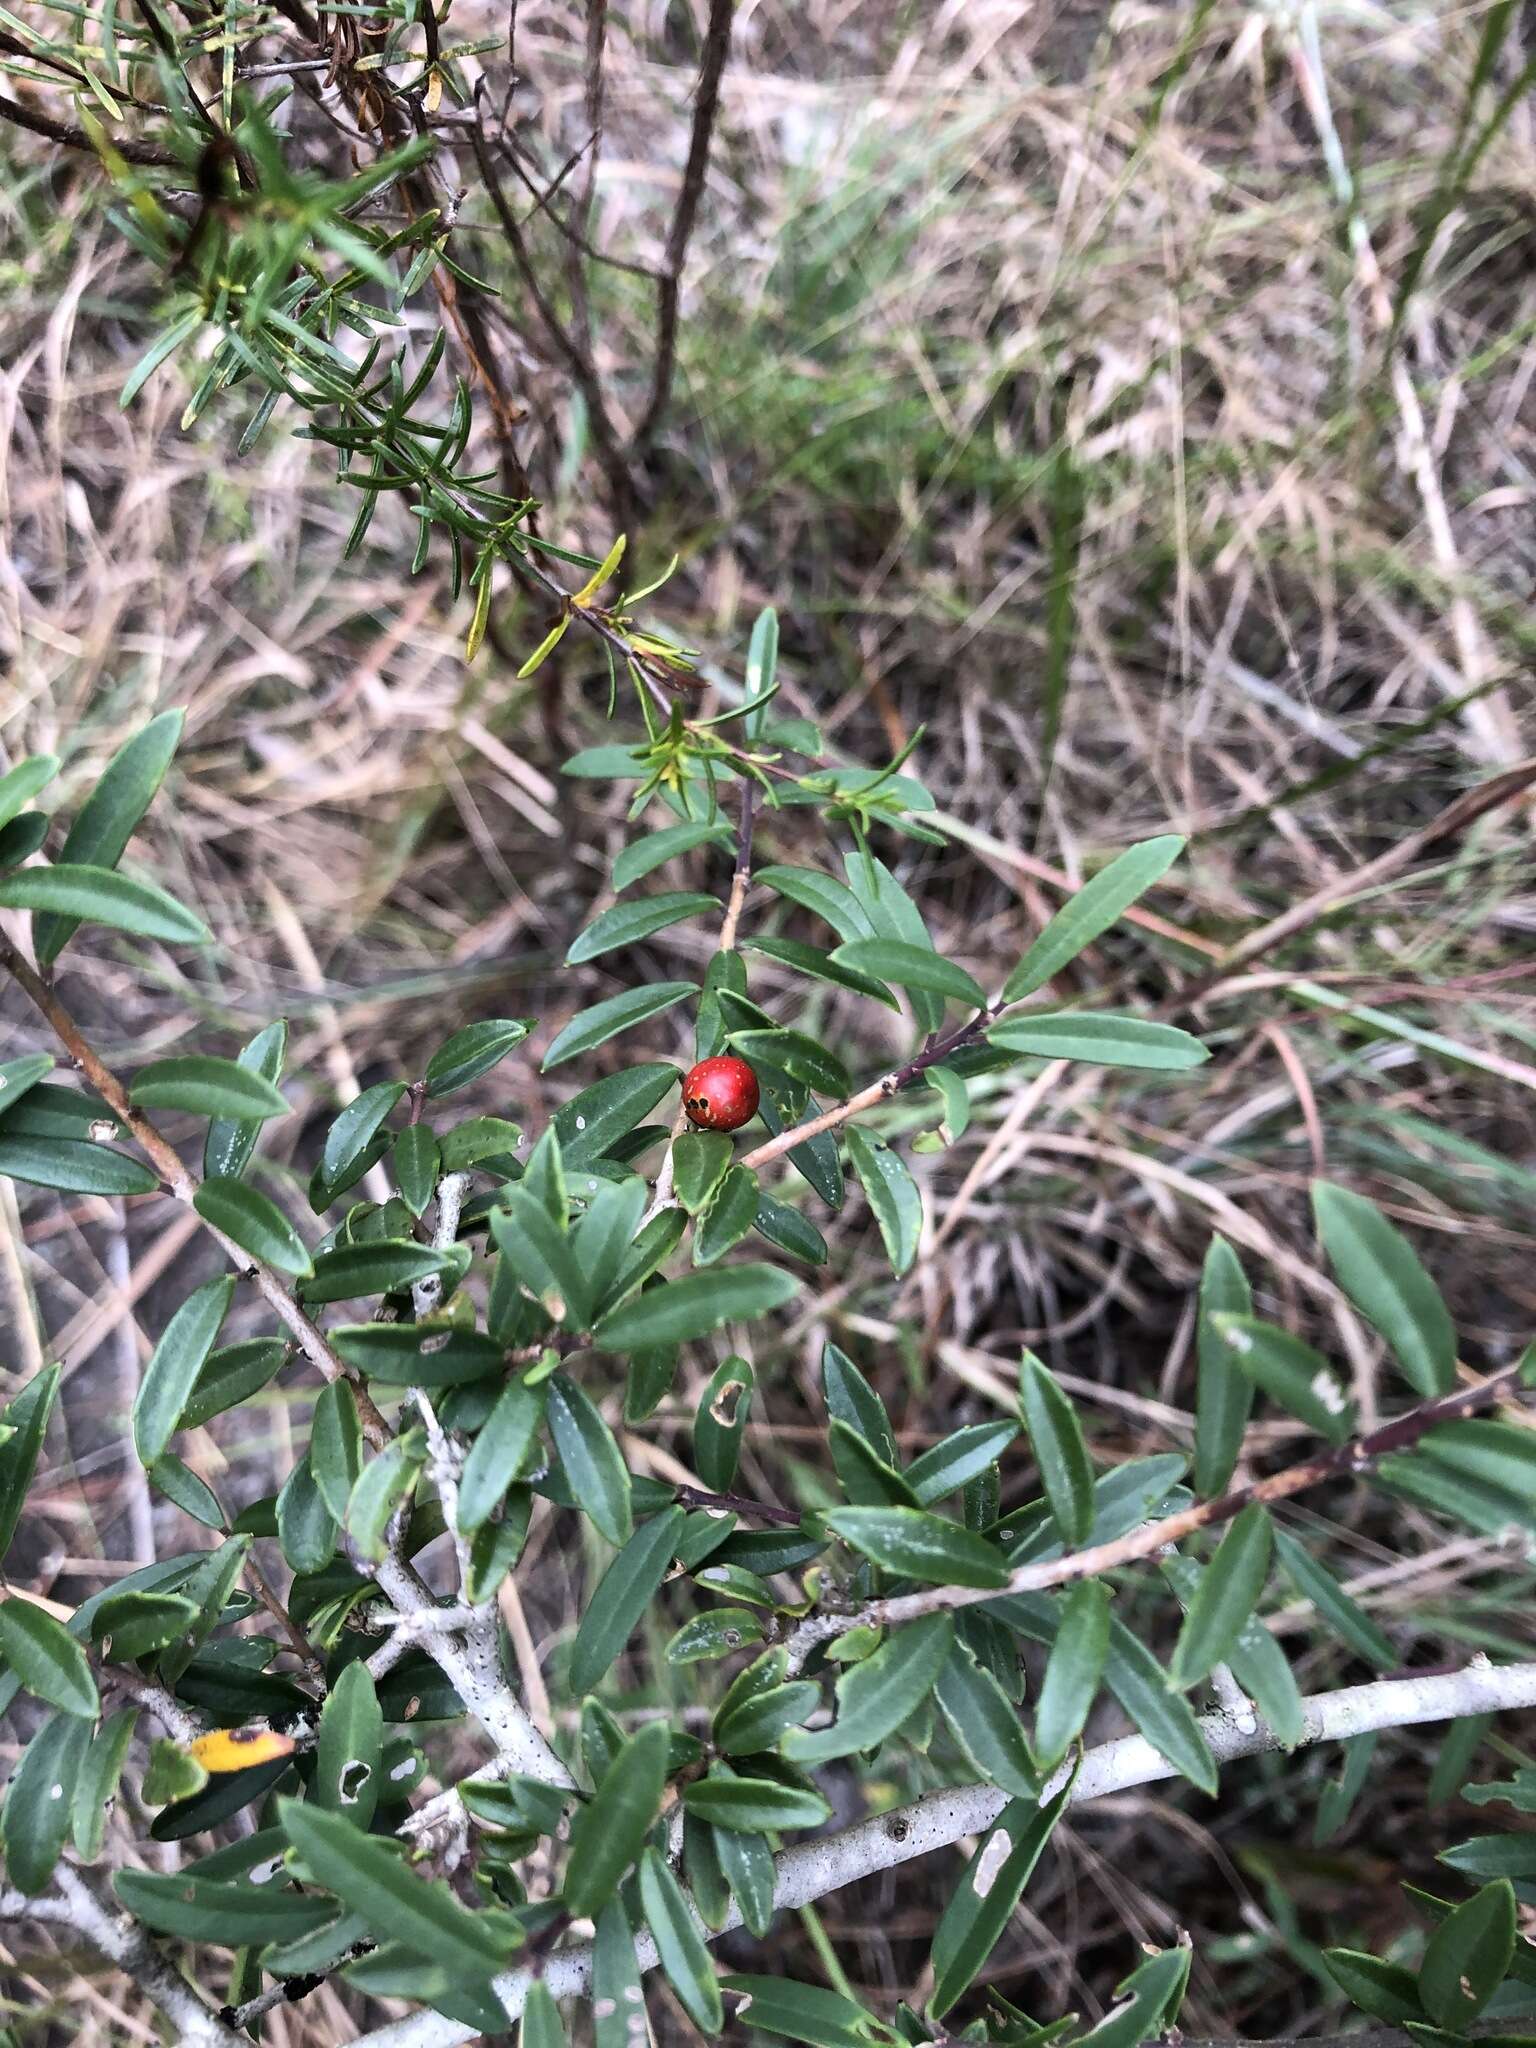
{"x": 753, "y": 1806}
{"x": 1380, "y": 1272}
{"x": 758, "y": 1706}
{"x": 892, "y": 1195}
{"x": 803, "y": 1058}
{"x": 74, "y": 1168}
{"x": 732, "y": 1212}
{"x": 499, "y": 1452}
{"x": 593, "y": 1027}
{"x": 910, "y": 966}
{"x": 473, "y": 1052}
{"x": 982, "y": 1903}
{"x": 917, "y": 1545}
{"x": 820, "y": 966}
{"x": 18, "y": 788}
{"x": 381, "y": 1486}
{"x": 626, "y": 924}
{"x": 893, "y": 915}
{"x": 47, "y": 1659}
{"x": 350, "y": 1747}
{"x": 717, "y": 1632}
{"x": 496, "y": 1548}
{"x": 542, "y": 2026}
{"x": 255, "y": 1223}
{"x": 91, "y": 895}
{"x": 803, "y": 2012}
{"x": 415, "y": 1159}
{"x": 876, "y": 1696}
{"x": 1223, "y": 1393}
{"x": 130, "y": 1625}
{"x": 1072, "y": 1672}
{"x": 231, "y": 1914}
{"x": 681, "y": 1310}
{"x": 1096, "y": 906}
{"x": 957, "y": 1459}
{"x": 335, "y": 1447}
{"x": 643, "y": 855}
{"x": 592, "y": 1460}
{"x": 387, "y": 1266}
{"x": 108, "y": 818}
{"x": 617, "y": 1994}
{"x": 684, "y": 1957}
{"x": 233, "y": 1373}
{"x": 761, "y": 670}
{"x": 543, "y": 1255}
{"x": 172, "y": 1775}
{"x": 1104, "y": 1040}
{"x": 25, "y": 1418}
{"x": 230, "y": 1141}
{"x": 417, "y": 1354}
{"x": 1385, "y": 1990}
{"x": 352, "y": 1131}
{"x": 39, "y": 1799}
{"x": 700, "y": 1161}
{"x": 985, "y": 1723}
{"x": 1468, "y": 1956}
{"x": 1333, "y": 1604}
{"x": 1259, "y": 1665}
{"x": 369, "y": 1877}
{"x": 866, "y": 1479}
{"x": 205, "y": 1086}
{"x": 609, "y": 1110}
{"x": 17, "y": 1076}
{"x": 21, "y": 838}
{"x": 306, "y": 1528}
{"x": 622, "y": 1596}
{"x": 175, "y": 1364}
{"x": 1056, "y": 1437}
{"x": 720, "y": 1422}
{"x": 953, "y": 1093}
{"x": 851, "y": 1399}
{"x": 609, "y": 1832}
{"x": 1228, "y": 1592}
{"x": 1164, "y": 1716}
{"x": 1153, "y": 1992}
{"x": 97, "y": 1781}
{"x": 1291, "y": 1373}
{"x": 832, "y": 901}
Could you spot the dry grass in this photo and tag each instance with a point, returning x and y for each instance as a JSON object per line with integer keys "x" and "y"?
{"x": 937, "y": 252}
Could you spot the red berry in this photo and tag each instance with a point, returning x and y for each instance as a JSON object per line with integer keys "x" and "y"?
{"x": 720, "y": 1094}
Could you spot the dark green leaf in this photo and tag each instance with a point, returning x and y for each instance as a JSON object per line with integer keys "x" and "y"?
{"x": 917, "y": 1545}
{"x": 609, "y": 1110}
{"x": 851, "y": 1399}
{"x": 1380, "y": 1272}
{"x": 381, "y": 1486}
{"x": 1104, "y": 1040}
{"x": 26, "y": 1420}
{"x": 108, "y": 818}
{"x": 473, "y": 1052}
{"x": 794, "y": 1053}
{"x": 700, "y": 1161}
{"x": 820, "y": 966}
{"x": 205, "y": 1086}
{"x": 17, "y": 1076}
{"x": 721, "y": 1421}
{"x": 1141, "y": 1686}
{"x": 230, "y": 1141}
{"x": 787, "y": 1229}
{"x": 732, "y": 1212}
{"x": 957, "y": 1459}
{"x": 1385, "y": 1990}
{"x": 353, "y": 1130}
{"x": 1224, "y": 1393}
{"x": 1468, "y": 1956}
{"x": 985, "y": 1723}
{"x": 684, "y": 1957}
{"x": 499, "y": 1451}
{"x": 255, "y": 1223}
{"x": 910, "y": 966}
{"x": 232, "y": 1374}
{"x": 617, "y": 1993}
{"x": 350, "y": 1747}
{"x": 1096, "y": 906}
{"x": 1072, "y": 1672}
{"x": 626, "y": 924}
{"x": 74, "y": 1168}
{"x": 1056, "y": 1437}
{"x": 714, "y": 1633}
{"x": 1291, "y": 1373}
{"x": 175, "y": 1365}
{"x": 542, "y": 2025}
{"x": 753, "y": 1806}
{"x": 1333, "y": 1604}
{"x": 622, "y": 1596}
{"x": 416, "y": 1160}
{"x": 593, "y": 1027}
{"x": 97, "y": 1781}
{"x": 1153, "y": 1993}
{"x": 21, "y": 784}
{"x": 47, "y": 1659}
{"x": 131, "y": 1625}
{"x": 39, "y": 1800}
{"x": 804, "y": 2012}
{"x": 306, "y": 1528}
{"x": 415, "y": 1354}
{"x": 876, "y": 1696}
{"x": 387, "y": 1266}
{"x": 101, "y": 896}
{"x": 693, "y": 1306}
{"x": 828, "y": 899}
{"x": 892, "y": 1195}
{"x": 609, "y": 1832}
{"x": 643, "y": 855}
{"x": 982, "y": 1903}
{"x": 335, "y": 1446}
{"x": 592, "y": 1460}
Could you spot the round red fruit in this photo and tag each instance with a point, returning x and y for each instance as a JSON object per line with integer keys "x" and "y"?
{"x": 720, "y": 1094}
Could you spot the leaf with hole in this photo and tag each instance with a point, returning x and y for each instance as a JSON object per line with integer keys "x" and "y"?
{"x": 350, "y": 1746}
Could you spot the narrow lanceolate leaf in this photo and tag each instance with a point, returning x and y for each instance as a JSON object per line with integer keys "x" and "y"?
{"x": 175, "y": 1364}
{"x": 758, "y": 1706}
{"x": 892, "y": 1195}
{"x": 693, "y": 1306}
{"x": 1072, "y": 1672}
{"x": 542, "y": 2026}
{"x": 473, "y": 1052}
{"x": 39, "y": 1798}
{"x": 74, "y": 1167}
{"x": 1223, "y": 1392}
{"x": 721, "y": 1421}
{"x": 1468, "y": 1956}
{"x": 415, "y": 1354}
{"x": 732, "y": 1212}
{"x": 1291, "y": 1373}
{"x": 90, "y": 895}
{"x": 820, "y": 966}
{"x": 1164, "y": 1716}
{"x": 47, "y": 1659}
{"x": 1380, "y": 1272}
{"x": 497, "y": 1455}
{"x": 108, "y": 818}
{"x": 232, "y": 1913}
{"x": 306, "y": 1528}
{"x": 917, "y": 1545}
{"x": 18, "y": 788}
{"x": 609, "y": 1110}
{"x": 381, "y": 1486}
{"x": 352, "y": 1129}
{"x": 1228, "y": 1592}
{"x": 593, "y": 1462}
{"x": 97, "y": 1781}
{"x": 641, "y": 856}
{"x": 205, "y": 1086}
{"x": 335, "y": 1446}
{"x": 753, "y": 1806}
{"x": 851, "y": 1399}
{"x": 1057, "y": 1439}
{"x": 700, "y": 1161}
{"x": 1103, "y": 1041}
{"x": 350, "y": 1746}
{"x": 255, "y": 1223}
{"x": 593, "y": 1027}
{"x": 609, "y": 1832}
{"x": 982, "y": 1903}
{"x": 386, "y": 1266}
{"x": 780, "y": 2007}
{"x": 958, "y": 1459}
{"x": 17, "y": 1076}
{"x": 370, "y": 1877}
{"x": 623, "y": 1594}
{"x": 911, "y": 966}
{"x": 876, "y": 1696}
{"x": 1387, "y": 1991}
{"x": 985, "y": 1723}
{"x": 626, "y": 924}
{"x": 1261, "y": 1668}
{"x": 1334, "y": 1606}
{"x": 230, "y": 1141}
{"x": 1096, "y": 906}
{"x": 26, "y": 1420}
{"x": 617, "y": 1992}
{"x": 684, "y": 1957}
{"x": 1151, "y": 1998}
{"x": 825, "y": 897}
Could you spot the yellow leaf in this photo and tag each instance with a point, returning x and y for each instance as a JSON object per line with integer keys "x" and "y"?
{"x": 236, "y": 1749}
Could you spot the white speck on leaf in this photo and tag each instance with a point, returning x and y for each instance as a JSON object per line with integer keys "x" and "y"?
{"x": 999, "y": 1848}
{"x": 1239, "y": 1340}
{"x": 57, "y": 1792}
{"x": 1329, "y": 1393}
{"x": 406, "y": 1768}
{"x": 581, "y": 1123}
